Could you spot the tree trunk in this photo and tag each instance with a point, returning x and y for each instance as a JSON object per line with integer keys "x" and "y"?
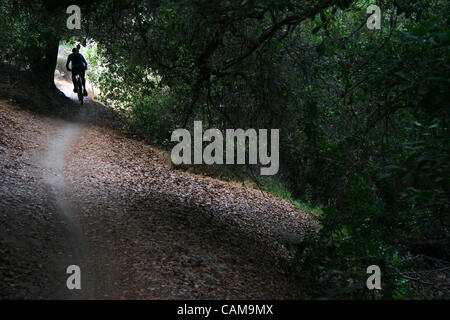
{"x": 43, "y": 65}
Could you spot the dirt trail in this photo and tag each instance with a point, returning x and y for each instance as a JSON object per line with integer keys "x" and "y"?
{"x": 39, "y": 236}
{"x": 141, "y": 230}
{"x": 53, "y": 176}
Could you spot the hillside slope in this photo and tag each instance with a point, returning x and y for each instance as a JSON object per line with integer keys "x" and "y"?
{"x": 80, "y": 191}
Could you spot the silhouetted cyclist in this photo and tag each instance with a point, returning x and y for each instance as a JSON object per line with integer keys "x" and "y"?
{"x": 79, "y": 65}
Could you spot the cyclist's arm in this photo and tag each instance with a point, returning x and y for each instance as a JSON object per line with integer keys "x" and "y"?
{"x": 68, "y": 61}
{"x": 84, "y": 61}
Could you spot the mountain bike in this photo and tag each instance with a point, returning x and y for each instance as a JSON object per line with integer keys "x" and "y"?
{"x": 79, "y": 88}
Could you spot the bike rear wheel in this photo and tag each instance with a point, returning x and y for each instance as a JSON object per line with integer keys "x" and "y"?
{"x": 80, "y": 90}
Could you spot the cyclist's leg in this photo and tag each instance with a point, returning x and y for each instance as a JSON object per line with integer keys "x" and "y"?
{"x": 76, "y": 71}
{"x": 83, "y": 80}
{"x": 74, "y": 80}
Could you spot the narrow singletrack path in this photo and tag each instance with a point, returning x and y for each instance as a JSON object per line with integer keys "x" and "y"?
{"x": 53, "y": 177}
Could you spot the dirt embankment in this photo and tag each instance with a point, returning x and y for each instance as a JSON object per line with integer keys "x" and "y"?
{"x": 146, "y": 231}
{"x": 168, "y": 234}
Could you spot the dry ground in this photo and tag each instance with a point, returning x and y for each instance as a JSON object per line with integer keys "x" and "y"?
{"x": 147, "y": 231}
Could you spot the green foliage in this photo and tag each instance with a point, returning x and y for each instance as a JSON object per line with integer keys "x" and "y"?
{"x": 154, "y": 113}
{"x": 277, "y": 188}
{"x": 384, "y": 171}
